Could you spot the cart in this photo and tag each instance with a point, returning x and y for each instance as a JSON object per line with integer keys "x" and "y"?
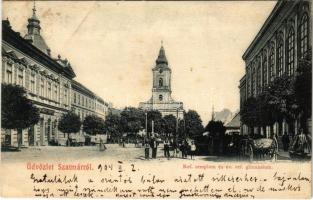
{"x": 258, "y": 149}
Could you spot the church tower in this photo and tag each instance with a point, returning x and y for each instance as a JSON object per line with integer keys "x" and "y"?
{"x": 33, "y": 33}
{"x": 161, "y": 90}
{"x": 161, "y": 99}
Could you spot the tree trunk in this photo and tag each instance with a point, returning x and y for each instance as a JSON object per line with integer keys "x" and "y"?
{"x": 68, "y": 139}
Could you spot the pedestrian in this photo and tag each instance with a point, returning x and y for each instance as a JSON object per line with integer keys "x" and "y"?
{"x": 153, "y": 145}
{"x": 184, "y": 149}
{"x": 147, "y": 148}
{"x": 123, "y": 142}
{"x": 166, "y": 148}
{"x": 102, "y": 147}
{"x": 192, "y": 149}
{"x": 285, "y": 140}
{"x": 175, "y": 148}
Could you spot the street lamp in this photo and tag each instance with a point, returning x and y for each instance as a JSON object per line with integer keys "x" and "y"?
{"x": 146, "y": 125}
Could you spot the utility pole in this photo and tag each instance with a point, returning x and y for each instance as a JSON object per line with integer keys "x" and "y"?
{"x": 152, "y": 124}
{"x": 146, "y": 124}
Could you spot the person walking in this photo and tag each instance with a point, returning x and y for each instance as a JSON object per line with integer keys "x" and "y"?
{"x": 285, "y": 140}
{"x": 147, "y": 149}
{"x": 153, "y": 145}
{"x": 166, "y": 148}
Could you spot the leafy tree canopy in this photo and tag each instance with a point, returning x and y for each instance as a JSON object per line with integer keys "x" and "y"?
{"x": 193, "y": 124}
{"x": 215, "y": 128}
{"x": 17, "y": 112}
{"x": 132, "y": 119}
{"x": 170, "y": 124}
{"x": 69, "y": 123}
{"x": 93, "y": 125}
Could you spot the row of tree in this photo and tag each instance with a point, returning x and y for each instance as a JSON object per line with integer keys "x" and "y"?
{"x": 287, "y": 97}
{"x": 131, "y": 120}
{"x": 18, "y": 112}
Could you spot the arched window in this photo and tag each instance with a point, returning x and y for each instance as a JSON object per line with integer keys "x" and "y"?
{"x": 291, "y": 52}
{"x": 258, "y": 76}
{"x": 253, "y": 81}
{"x": 160, "y": 82}
{"x": 264, "y": 66}
{"x": 280, "y": 56}
{"x": 303, "y": 35}
{"x": 272, "y": 64}
{"x": 160, "y": 97}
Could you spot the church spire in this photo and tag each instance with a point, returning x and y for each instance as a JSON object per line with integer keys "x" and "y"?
{"x": 161, "y": 58}
{"x": 33, "y": 23}
{"x": 33, "y": 33}
{"x": 213, "y": 113}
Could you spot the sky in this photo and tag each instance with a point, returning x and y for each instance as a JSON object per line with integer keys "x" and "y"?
{"x": 112, "y": 46}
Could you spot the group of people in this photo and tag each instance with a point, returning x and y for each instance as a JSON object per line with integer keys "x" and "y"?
{"x": 186, "y": 148}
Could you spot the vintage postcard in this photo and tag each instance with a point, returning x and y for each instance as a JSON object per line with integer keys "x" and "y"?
{"x": 156, "y": 99}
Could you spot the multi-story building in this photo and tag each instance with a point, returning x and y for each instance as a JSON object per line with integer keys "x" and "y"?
{"x": 48, "y": 81}
{"x": 85, "y": 102}
{"x": 283, "y": 40}
{"x": 161, "y": 99}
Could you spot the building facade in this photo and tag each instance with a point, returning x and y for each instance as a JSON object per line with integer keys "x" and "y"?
{"x": 161, "y": 99}
{"x": 27, "y": 61}
{"x": 283, "y": 40}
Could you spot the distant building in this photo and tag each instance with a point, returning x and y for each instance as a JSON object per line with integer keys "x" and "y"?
{"x": 233, "y": 127}
{"x": 283, "y": 40}
{"x": 48, "y": 81}
{"x": 161, "y": 99}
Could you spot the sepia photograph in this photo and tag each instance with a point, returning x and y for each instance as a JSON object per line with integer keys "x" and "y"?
{"x": 152, "y": 99}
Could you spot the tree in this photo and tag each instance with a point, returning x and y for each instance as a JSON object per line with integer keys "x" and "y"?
{"x": 17, "y": 112}
{"x": 113, "y": 126}
{"x": 216, "y": 128}
{"x": 170, "y": 124}
{"x": 93, "y": 125}
{"x": 69, "y": 123}
{"x": 132, "y": 119}
{"x": 193, "y": 124}
{"x": 217, "y": 131}
{"x": 248, "y": 113}
{"x": 303, "y": 90}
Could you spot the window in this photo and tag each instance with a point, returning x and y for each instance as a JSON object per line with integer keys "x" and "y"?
{"x": 9, "y": 73}
{"x": 253, "y": 82}
{"x": 160, "y": 82}
{"x": 280, "y": 57}
{"x": 56, "y": 92}
{"x": 65, "y": 96}
{"x": 291, "y": 52}
{"x": 74, "y": 97}
{"x": 264, "y": 65}
{"x": 83, "y": 101}
{"x": 258, "y": 77}
{"x": 32, "y": 82}
{"x": 78, "y": 97}
{"x": 160, "y": 97}
{"x": 42, "y": 87}
{"x": 303, "y": 35}
{"x": 20, "y": 77}
{"x": 49, "y": 90}
{"x": 272, "y": 64}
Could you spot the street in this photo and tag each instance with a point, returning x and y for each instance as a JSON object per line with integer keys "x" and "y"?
{"x": 113, "y": 152}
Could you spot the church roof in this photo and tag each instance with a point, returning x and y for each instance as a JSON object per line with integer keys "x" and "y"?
{"x": 33, "y": 34}
{"x": 235, "y": 122}
{"x": 38, "y": 41}
{"x": 161, "y": 57}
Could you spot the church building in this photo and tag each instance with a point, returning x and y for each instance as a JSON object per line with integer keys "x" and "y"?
{"x": 161, "y": 99}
